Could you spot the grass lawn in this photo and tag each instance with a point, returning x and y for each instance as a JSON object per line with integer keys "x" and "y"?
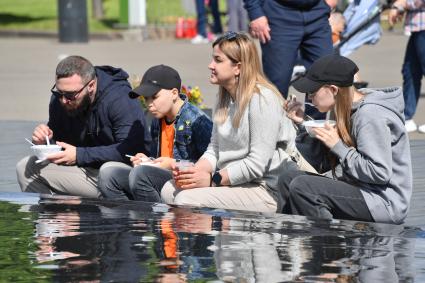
{"x": 42, "y": 14}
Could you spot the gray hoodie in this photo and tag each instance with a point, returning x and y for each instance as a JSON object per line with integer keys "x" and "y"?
{"x": 380, "y": 165}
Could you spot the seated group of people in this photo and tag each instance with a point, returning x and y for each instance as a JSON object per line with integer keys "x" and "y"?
{"x": 255, "y": 155}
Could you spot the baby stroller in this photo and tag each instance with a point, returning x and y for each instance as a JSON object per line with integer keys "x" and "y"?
{"x": 362, "y": 26}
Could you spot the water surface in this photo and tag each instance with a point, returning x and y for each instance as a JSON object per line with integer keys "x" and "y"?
{"x": 59, "y": 238}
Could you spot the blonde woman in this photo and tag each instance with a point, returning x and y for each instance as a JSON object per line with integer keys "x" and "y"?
{"x": 369, "y": 143}
{"x": 252, "y": 138}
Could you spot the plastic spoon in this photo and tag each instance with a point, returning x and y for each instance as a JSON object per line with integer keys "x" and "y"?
{"x": 30, "y": 142}
{"x": 47, "y": 140}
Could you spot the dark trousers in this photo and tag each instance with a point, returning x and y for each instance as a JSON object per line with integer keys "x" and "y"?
{"x": 293, "y": 30}
{"x": 202, "y": 19}
{"x": 113, "y": 181}
{"x": 238, "y": 17}
{"x": 146, "y": 182}
{"x": 322, "y": 197}
{"x": 413, "y": 71}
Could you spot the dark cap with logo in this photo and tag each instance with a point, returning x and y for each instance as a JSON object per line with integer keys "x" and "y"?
{"x": 157, "y": 78}
{"x": 328, "y": 70}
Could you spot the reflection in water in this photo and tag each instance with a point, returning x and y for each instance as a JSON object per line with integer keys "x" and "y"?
{"x": 73, "y": 239}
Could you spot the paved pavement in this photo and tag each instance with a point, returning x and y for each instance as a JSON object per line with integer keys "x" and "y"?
{"x": 27, "y": 73}
{"x": 27, "y": 67}
{"x": 12, "y": 148}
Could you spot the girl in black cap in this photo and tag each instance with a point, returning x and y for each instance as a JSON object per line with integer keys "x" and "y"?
{"x": 369, "y": 144}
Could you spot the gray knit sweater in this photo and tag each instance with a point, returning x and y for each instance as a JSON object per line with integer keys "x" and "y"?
{"x": 259, "y": 149}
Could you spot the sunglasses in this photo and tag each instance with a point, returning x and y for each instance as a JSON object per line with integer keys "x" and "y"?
{"x": 69, "y": 95}
{"x": 229, "y": 36}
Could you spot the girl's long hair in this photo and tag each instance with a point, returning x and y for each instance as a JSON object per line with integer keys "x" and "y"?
{"x": 342, "y": 112}
{"x": 241, "y": 49}
{"x": 343, "y": 103}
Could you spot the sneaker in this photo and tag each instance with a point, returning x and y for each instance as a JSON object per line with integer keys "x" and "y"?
{"x": 213, "y": 36}
{"x": 411, "y": 126}
{"x": 199, "y": 39}
{"x": 298, "y": 71}
{"x": 421, "y": 129}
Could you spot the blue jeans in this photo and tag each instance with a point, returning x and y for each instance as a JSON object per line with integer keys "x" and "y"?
{"x": 202, "y": 19}
{"x": 113, "y": 181}
{"x": 146, "y": 182}
{"x": 120, "y": 181}
{"x": 413, "y": 71}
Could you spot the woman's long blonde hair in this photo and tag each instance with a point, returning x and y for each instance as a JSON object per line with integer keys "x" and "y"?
{"x": 241, "y": 49}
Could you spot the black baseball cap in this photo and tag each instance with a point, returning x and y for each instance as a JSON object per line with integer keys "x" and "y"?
{"x": 328, "y": 70}
{"x": 157, "y": 78}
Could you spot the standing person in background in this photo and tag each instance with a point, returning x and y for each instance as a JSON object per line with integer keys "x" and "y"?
{"x": 202, "y": 21}
{"x": 92, "y": 118}
{"x": 285, "y": 29}
{"x": 238, "y": 17}
{"x": 337, "y": 22}
{"x": 252, "y": 140}
{"x": 414, "y": 59}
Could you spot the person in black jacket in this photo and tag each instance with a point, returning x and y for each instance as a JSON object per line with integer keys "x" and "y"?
{"x": 93, "y": 119}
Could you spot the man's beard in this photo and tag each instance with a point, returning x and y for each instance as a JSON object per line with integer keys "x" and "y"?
{"x": 81, "y": 109}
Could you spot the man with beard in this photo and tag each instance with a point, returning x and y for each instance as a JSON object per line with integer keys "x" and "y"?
{"x": 94, "y": 120}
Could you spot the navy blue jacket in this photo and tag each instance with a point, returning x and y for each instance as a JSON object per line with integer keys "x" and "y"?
{"x": 255, "y": 11}
{"x": 192, "y": 133}
{"x": 113, "y": 126}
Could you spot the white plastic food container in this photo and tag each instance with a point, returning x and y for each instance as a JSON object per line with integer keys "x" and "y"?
{"x": 310, "y": 125}
{"x": 42, "y": 151}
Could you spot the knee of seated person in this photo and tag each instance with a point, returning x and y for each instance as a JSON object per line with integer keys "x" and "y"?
{"x": 20, "y": 166}
{"x": 298, "y": 184}
{"x": 136, "y": 180}
{"x": 168, "y": 191}
{"x": 106, "y": 173}
{"x": 108, "y": 165}
{"x": 187, "y": 198}
{"x": 24, "y": 167}
{"x": 139, "y": 175}
{"x": 138, "y": 172}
